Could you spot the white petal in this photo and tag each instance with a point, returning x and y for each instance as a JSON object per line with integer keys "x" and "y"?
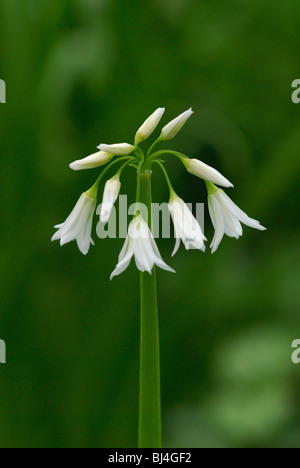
{"x": 161, "y": 264}
{"x": 144, "y": 261}
{"x": 152, "y": 249}
{"x": 253, "y": 223}
{"x": 237, "y": 212}
{"x": 84, "y": 238}
{"x": 192, "y": 227}
{"x": 110, "y": 195}
{"x": 158, "y": 260}
{"x": 125, "y": 257}
{"x": 120, "y": 268}
{"x": 144, "y": 254}
{"x": 55, "y": 237}
{"x": 230, "y": 233}
{"x": 177, "y": 245}
{"x": 155, "y": 248}
{"x": 105, "y": 212}
{"x": 195, "y": 245}
{"x": 217, "y": 220}
{"x": 232, "y": 224}
{"x": 125, "y": 249}
{"x": 122, "y": 265}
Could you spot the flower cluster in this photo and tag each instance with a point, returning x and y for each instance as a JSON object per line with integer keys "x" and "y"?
{"x": 140, "y": 244}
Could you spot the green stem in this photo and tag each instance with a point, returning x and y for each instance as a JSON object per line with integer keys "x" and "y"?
{"x": 150, "y": 399}
{"x": 172, "y": 192}
{"x": 139, "y": 153}
{"x": 180, "y": 156}
{"x": 112, "y": 164}
{"x": 153, "y": 146}
{"x": 119, "y": 173}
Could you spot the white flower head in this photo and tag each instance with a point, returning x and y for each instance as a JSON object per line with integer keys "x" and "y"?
{"x": 149, "y": 126}
{"x": 202, "y": 170}
{"x": 141, "y": 245}
{"x": 174, "y": 127}
{"x": 90, "y": 162}
{"x": 110, "y": 195}
{"x": 119, "y": 149}
{"x": 78, "y": 226}
{"x": 186, "y": 226}
{"x": 227, "y": 217}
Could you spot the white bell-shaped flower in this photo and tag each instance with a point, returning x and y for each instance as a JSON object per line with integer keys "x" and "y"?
{"x": 226, "y": 216}
{"x": 78, "y": 226}
{"x": 141, "y": 245}
{"x": 186, "y": 226}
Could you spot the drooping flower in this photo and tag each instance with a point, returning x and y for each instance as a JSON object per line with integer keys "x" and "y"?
{"x": 110, "y": 195}
{"x": 186, "y": 226}
{"x": 172, "y": 128}
{"x": 226, "y": 216}
{"x": 78, "y": 226}
{"x": 205, "y": 172}
{"x": 119, "y": 149}
{"x": 90, "y": 162}
{"x": 141, "y": 245}
{"x": 149, "y": 126}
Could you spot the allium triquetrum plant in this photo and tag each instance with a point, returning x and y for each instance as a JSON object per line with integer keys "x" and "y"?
{"x": 140, "y": 244}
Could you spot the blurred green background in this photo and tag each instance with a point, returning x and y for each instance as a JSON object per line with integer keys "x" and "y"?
{"x": 81, "y": 72}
